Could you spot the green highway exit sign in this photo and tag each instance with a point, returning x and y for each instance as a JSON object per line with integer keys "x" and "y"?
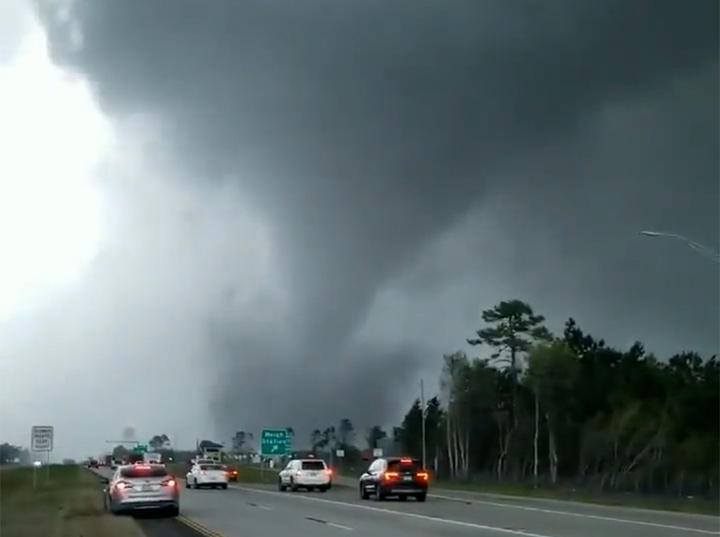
{"x": 140, "y": 448}
{"x": 274, "y": 442}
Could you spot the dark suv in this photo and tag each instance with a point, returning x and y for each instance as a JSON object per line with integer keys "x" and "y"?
{"x": 394, "y": 476}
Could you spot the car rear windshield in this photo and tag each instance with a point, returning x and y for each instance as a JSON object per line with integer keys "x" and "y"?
{"x": 211, "y": 467}
{"x": 143, "y": 471}
{"x": 313, "y": 465}
{"x": 403, "y": 466}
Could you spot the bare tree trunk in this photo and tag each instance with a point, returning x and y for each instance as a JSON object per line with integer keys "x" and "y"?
{"x": 536, "y": 438}
{"x": 448, "y": 432}
{"x": 466, "y": 453}
{"x": 504, "y": 441}
{"x": 456, "y": 447}
{"x": 552, "y": 449}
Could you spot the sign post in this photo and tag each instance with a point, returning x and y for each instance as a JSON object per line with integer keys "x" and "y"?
{"x": 41, "y": 441}
{"x": 273, "y": 443}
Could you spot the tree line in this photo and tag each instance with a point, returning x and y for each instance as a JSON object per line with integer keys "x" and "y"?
{"x": 12, "y": 454}
{"x": 570, "y": 409}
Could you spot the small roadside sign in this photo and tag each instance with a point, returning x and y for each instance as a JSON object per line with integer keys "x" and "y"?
{"x": 340, "y": 453}
{"x": 377, "y": 452}
{"x": 41, "y": 438}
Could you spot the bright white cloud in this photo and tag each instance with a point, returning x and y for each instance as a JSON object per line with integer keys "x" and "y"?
{"x": 112, "y": 268}
{"x": 52, "y": 137}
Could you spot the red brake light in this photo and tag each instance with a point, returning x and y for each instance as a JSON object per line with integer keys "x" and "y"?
{"x": 122, "y": 485}
{"x": 169, "y": 483}
{"x": 390, "y": 475}
{"x": 423, "y": 476}
{"x": 406, "y": 461}
{"x": 328, "y": 471}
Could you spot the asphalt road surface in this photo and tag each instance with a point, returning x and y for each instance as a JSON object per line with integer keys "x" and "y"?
{"x": 261, "y": 511}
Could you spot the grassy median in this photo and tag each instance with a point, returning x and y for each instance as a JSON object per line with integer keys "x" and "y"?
{"x": 68, "y": 503}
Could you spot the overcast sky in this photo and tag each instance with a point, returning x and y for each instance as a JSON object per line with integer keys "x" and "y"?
{"x": 232, "y": 214}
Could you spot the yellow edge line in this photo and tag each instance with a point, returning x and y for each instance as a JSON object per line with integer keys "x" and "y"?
{"x": 199, "y": 527}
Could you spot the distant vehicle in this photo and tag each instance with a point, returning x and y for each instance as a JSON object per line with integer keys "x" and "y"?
{"x": 394, "y": 476}
{"x": 206, "y": 475}
{"x": 141, "y": 487}
{"x": 309, "y": 474}
{"x": 92, "y": 463}
{"x": 132, "y": 458}
{"x": 152, "y": 458}
{"x": 232, "y": 473}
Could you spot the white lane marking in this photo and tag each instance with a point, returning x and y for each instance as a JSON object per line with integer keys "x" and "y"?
{"x": 448, "y": 521}
{"x": 579, "y": 515}
{"x": 339, "y": 526}
{"x": 495, "y": 504}
{"x": 478, "y": 497}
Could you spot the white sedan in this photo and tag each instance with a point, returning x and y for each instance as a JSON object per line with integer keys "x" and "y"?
{"x": 206, "y": 475}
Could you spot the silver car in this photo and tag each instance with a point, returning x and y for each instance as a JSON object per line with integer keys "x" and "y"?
{"x": 142, "y": 487}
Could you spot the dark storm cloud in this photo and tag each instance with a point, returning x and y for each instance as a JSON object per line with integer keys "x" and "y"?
{"x": 365, "y": 129}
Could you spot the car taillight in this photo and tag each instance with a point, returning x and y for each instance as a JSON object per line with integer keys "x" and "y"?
{"x": 328, "y": 471}
{"x": 122, "y": 485}
{"x": 388, "y": 476}
{"x": 422, "y": 476}
{"x": 169, "y": 483}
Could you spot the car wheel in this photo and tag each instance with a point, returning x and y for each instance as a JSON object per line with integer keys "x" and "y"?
{"x": 363, "y": 493}
{"x": 323, "y": 489}
{"x": 187, "y": 483}
{"x": 379, "y": 494}
{"x": 223, "y": 486}
{"x": 281, "y": 487}
{"x": 421, "y": 497}
{"x": 173, "y": 511}
{"x": 293, "y": 486}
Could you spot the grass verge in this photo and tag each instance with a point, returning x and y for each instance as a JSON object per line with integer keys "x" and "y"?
{"x": 67, "y": 502}
{"x": 699, "y": 506}
{"x": 246, "y": 474}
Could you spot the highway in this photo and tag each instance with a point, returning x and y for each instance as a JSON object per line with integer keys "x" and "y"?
{"x": 259, "y": 511}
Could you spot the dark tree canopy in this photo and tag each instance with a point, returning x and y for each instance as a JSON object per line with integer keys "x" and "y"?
{"x": 584, "y": 413}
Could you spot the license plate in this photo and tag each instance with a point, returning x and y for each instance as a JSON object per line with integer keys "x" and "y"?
{"x": 407, "y": 478}
{"x": 312, "y": 474}
{"x": 146, "y": 488}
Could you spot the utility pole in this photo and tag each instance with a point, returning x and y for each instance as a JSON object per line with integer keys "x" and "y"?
{"x": 424, "y": 418}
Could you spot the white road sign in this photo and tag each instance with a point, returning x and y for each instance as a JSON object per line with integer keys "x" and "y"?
{"x": 340, "y": 453}
{"x": 377, "y": 452}
{"x": 41, "y": 438}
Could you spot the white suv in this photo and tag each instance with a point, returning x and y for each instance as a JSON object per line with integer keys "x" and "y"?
{"x": 206, "y": 475}
{"x": 309, "y": 474}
